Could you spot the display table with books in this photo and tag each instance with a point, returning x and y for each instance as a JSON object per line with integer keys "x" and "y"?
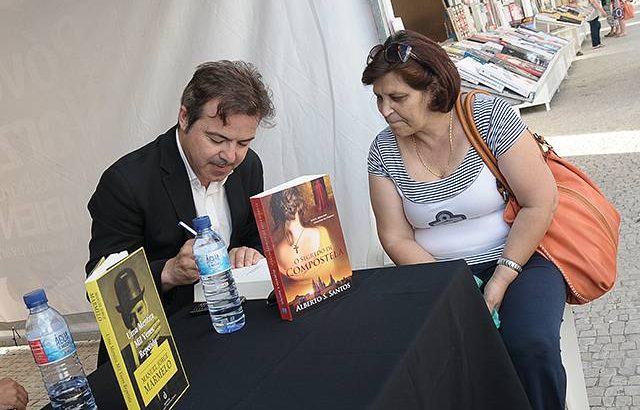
{"x": 523, "y": 66}
{"x": 550, "y": 81}
{"x": 571, "y": 31}
{"x": 409, "y": 337}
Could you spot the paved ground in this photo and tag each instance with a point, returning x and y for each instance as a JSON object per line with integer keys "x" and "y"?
{"x": 595, "y": 113}
{"x": 17, "y": 363}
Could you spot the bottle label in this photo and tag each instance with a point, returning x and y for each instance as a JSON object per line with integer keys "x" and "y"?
{"x": 212, "y": 261}
{"x": 53, "y": 347}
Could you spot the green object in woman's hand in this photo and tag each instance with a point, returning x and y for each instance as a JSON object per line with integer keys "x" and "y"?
{"x": 496, "y": 318}
{"x": 494, "y": 314}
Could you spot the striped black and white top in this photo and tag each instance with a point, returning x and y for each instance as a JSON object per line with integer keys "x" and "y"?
{"x": 460, "y": 216}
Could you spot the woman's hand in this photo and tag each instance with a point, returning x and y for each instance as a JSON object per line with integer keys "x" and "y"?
{"x": 12, "y": 395}
{"x": 497, "y": 286}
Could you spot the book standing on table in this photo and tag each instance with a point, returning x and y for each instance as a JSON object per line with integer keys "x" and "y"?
{"x": 136, "y": 332}
{"x": 303, "y": 242}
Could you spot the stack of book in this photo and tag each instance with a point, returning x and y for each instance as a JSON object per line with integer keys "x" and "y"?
{"x": 469, "y": 16}
{"x": 507, "y": 62}
{"x": 461, "y": 21}
{"x": 571, "y": 15}
{"x": 483, "y": 18}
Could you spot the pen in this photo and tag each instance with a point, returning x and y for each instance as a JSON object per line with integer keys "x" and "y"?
{"x": 188, "y": 228}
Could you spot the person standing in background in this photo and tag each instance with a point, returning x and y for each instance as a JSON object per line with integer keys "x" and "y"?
{"x": 606, "y": 5}
{"x": 617, "y": 9}
{"x": 594, "y": 22}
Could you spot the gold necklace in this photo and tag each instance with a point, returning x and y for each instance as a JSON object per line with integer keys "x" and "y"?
{"x": 424, "y": 164}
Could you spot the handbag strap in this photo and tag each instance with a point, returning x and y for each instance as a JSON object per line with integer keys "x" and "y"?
{"x": 464, "y": 109}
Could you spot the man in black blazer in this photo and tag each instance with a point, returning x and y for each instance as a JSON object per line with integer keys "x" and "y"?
{"x": 142, "y": 196}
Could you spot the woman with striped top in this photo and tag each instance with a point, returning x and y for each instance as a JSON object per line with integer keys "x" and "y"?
{"x": 435, "y": 200}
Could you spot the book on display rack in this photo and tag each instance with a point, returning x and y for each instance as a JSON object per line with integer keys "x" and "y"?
{"x": 461, "y": 21}
{"x": 564, "y": 15}
{"x": 505, "y": 62}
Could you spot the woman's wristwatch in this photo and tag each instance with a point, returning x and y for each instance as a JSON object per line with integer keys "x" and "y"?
{"x": 509, "y": 264}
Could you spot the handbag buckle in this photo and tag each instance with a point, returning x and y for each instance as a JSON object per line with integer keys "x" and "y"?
{"x": 502, "y": 191}
{"x": 540, "y": 139}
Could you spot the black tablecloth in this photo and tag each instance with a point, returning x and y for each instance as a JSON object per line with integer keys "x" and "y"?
{"x": 414, "y": 337}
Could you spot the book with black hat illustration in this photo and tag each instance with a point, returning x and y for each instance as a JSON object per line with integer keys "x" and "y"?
{"x": 135, "y": 331}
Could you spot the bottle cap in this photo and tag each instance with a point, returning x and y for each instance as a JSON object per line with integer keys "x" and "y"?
{"x": 35, "y": 298}
{"x": 201, "y": 222}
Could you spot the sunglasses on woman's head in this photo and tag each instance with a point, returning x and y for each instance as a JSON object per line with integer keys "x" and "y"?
{"x": 394, "y": 53}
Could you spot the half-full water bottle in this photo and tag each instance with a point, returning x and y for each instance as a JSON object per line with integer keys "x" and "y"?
{"x": 212, "y": 258}
{"x": 55, "y": 353}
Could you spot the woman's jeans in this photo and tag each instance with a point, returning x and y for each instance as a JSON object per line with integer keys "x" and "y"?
{"x": 595, "y": 31}
{"x": 530, "y": 315}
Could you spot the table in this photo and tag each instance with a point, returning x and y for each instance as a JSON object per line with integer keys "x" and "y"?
{"x": 570, "y": 31}
{"x": 413, "y": 337}
{"x": 549, "y": 83}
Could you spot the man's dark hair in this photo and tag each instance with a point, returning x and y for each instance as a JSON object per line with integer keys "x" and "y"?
{"x": 435, "y": 72}
{"x": 236, "y": 84}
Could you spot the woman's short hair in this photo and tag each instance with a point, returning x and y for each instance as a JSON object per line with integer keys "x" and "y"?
{"x": 286, "y": 204}
{"x": 435, "y": 72}
{"x": 236, "y": 84}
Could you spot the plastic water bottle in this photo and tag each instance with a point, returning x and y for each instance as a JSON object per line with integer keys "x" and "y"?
{"x": 220, "y": 291}
{"x": 55, "y": 353}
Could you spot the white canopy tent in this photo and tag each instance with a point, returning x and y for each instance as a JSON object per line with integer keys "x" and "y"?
{"x": 82, "y": 83}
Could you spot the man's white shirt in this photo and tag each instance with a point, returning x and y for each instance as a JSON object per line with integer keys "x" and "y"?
{"x": 211, "y": 201}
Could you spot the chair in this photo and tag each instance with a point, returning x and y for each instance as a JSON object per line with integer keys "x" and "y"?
{"x": 577, "y": 398}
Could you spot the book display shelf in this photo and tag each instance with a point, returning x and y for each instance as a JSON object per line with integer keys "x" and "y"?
{"x": 520, "y": 50}
{"x": 566, "y": 20}
{"x": 550, "y": 81}
{"x": 563, "y": 12}
{"x": 575, "y": 32}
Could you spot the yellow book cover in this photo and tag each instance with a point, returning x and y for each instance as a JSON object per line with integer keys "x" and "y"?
{"x": 303, "y": 243}
{"x": 135, "y": 331}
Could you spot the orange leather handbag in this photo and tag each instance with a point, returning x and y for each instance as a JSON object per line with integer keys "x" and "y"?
{"x": 582, "y": 240}
{"x": 629, "y": 11}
